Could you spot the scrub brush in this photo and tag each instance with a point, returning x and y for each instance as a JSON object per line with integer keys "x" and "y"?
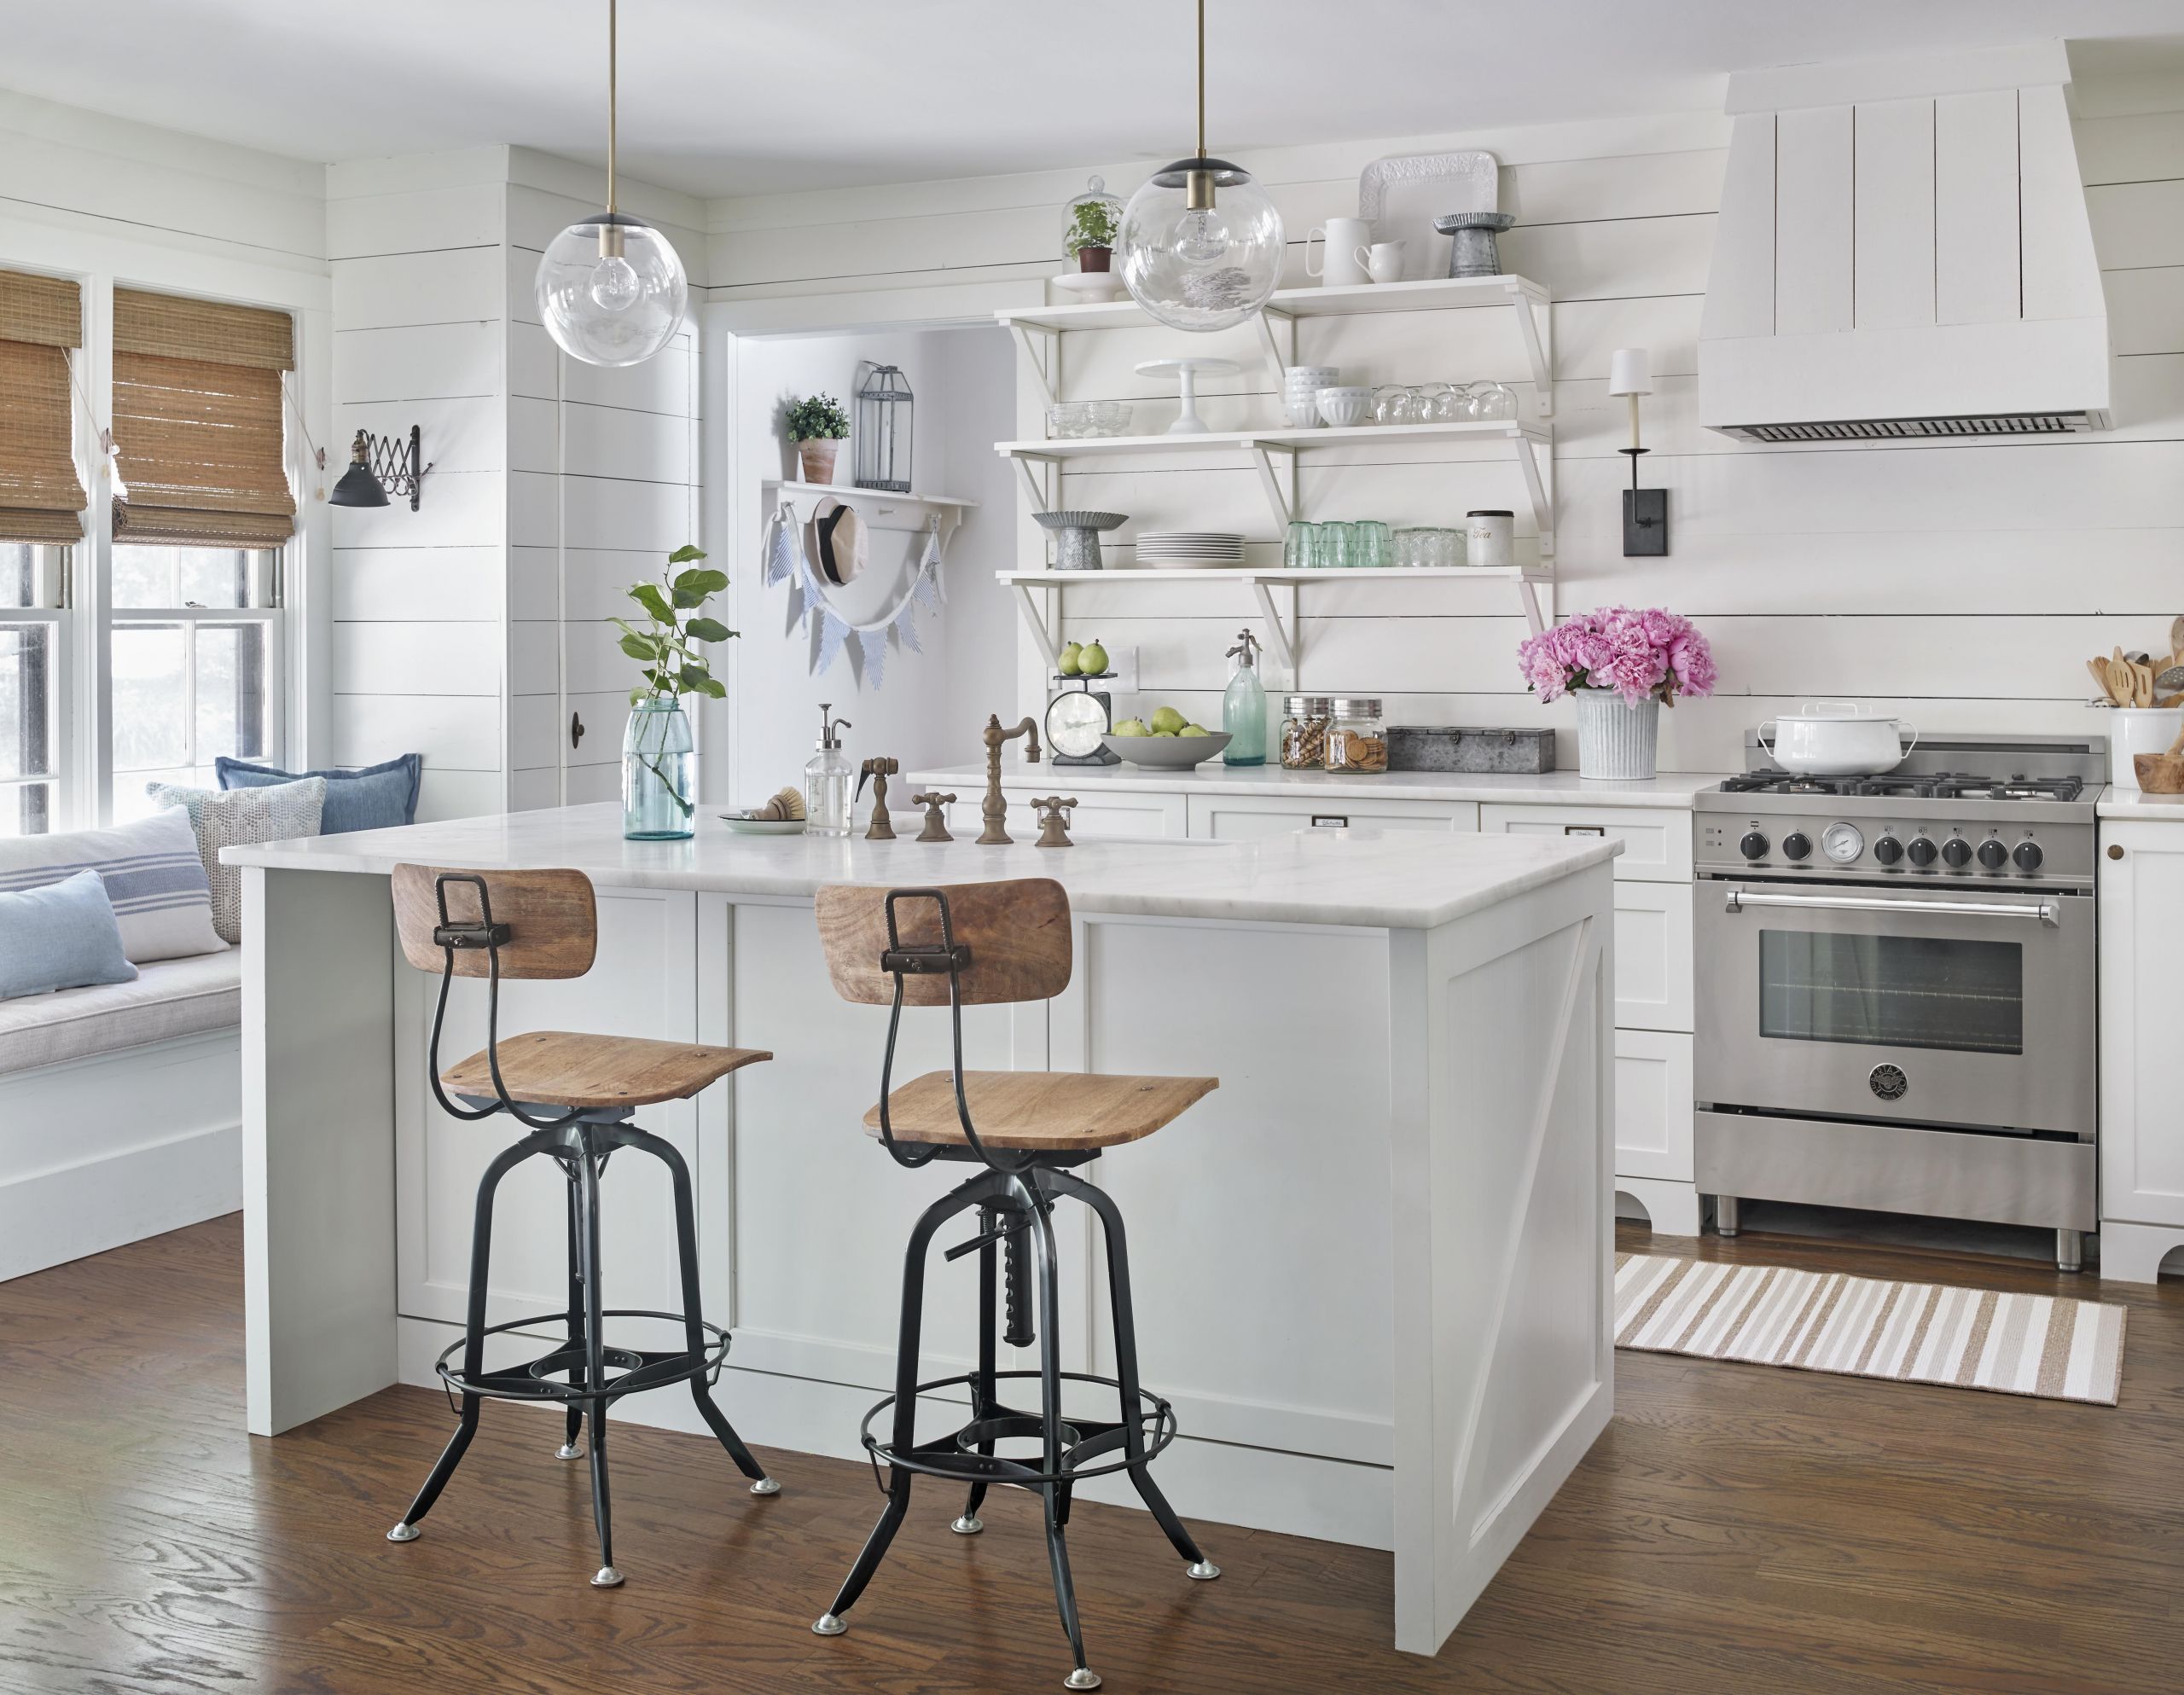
{"x": 786, "y": 804}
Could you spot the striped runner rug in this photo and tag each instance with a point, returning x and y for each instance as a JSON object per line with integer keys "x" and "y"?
{"x": 1864, "y": 1327}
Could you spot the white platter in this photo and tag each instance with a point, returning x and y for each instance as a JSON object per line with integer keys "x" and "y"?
{"x": 1404, "y": 193}
{"x": 743, "y": 824}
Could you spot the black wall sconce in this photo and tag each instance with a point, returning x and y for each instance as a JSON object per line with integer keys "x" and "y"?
{"x": 1644, "y": 511}
{"x": 380, "y": 465}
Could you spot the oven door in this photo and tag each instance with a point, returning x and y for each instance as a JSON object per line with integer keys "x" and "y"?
{"x": 1897, "y": 1005}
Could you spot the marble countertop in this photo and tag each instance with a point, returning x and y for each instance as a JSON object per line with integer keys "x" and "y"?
{"x": 2148, "y": 808}
{"x": 1401, "y": 880}
{"x": 1554, "y": 788}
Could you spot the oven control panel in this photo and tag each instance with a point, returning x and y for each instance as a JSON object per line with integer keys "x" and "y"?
{"x": 1943, "y": 844}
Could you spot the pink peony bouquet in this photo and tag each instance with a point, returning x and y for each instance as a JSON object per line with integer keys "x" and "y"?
{"x": 1635, "y": 651}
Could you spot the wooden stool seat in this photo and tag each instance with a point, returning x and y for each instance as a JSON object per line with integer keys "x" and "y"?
{"x": 1020, "y": 1111}
{"x": 569, "y": 1068}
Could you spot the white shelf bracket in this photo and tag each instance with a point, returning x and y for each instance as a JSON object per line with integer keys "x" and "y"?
{"x": 1279, "y": 488}
{"x": 1529, "y": 590}
{"x": 1277, "y": 357}
{"x": 1541, "y": 492}
{"x": 1032, "y": 484}
{"x": 1033, "y": 357}
{"x": 1281, "y": 639}
{"x": 1538, "y": 344}
{"x": 1035, "y": 622}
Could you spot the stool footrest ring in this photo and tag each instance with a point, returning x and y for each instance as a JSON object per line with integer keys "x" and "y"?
{"x": 1082, "y": 1440}
{"x": 629, "y": 1369}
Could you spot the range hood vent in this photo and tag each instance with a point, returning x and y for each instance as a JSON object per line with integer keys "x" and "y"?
{"x": 1903, "y": 254}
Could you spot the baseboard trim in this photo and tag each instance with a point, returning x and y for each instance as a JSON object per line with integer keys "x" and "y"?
{"x": 50, "y": 1217}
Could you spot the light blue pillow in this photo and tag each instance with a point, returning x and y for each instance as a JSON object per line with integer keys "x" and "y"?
{"x": 60, "y": 935}
{"x": 376, "y": 798}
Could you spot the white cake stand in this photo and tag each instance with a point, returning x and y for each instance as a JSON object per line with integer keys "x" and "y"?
{"x": 1187, "y": 372}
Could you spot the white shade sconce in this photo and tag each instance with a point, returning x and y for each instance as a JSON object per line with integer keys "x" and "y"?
{"x": 1644, "y": 511}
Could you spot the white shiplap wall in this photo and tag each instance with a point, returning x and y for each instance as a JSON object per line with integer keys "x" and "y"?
{"x": 470, "y": 630}
{"x": 1963, "y": 584}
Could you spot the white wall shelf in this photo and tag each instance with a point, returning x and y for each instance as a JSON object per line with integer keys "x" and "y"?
{"x": 882, "y": 509}
{"x": 1529, "y": 300}
{"x": 875, "y": 498}
{"x": 1281, "y": 620}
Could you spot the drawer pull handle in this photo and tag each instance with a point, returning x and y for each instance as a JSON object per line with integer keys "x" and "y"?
{"x": 1330, "y": 820}
{"x": 1584, "y": 830}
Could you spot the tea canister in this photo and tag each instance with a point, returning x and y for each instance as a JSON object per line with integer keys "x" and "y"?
{"x": 1491, "y": 539}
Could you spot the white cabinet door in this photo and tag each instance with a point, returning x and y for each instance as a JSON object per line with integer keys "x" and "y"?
{"x": 1653, "y": 955}
{"x": 1098, "y": 812}
{"x": 1234, "y": 818}
{"x": 1656, "y": 841}
{"x": 1652, "y": 1104}
{"x": 643, "y": 983}
{"x": 2141, "y": 1014}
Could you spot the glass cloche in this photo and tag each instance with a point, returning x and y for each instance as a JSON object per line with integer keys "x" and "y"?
{"x": 1090, "y": 224}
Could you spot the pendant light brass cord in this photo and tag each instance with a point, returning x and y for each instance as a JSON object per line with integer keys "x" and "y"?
{"x": 1201, "y": 77}
{"x": 610, "y": 98}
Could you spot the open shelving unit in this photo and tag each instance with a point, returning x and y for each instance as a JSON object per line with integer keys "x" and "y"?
{"x": 1283, "y": 632}
{"x": 883, "y": 508}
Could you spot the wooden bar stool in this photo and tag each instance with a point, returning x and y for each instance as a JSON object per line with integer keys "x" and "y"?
{"x": 576, "y": 1094}
{"x": 978, "y": 944}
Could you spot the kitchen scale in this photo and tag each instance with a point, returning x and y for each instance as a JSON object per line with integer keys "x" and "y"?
{"x": 1077, "y": 719}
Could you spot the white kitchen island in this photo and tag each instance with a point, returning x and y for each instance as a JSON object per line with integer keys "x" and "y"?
{"x": 1372, "y": 1270}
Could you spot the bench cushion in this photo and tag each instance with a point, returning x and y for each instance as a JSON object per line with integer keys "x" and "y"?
{"x": 169, "y": 998}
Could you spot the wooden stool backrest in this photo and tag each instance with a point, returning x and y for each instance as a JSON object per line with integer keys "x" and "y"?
{"x": 552, "y": 920}
{"x": 1018, "y": 933}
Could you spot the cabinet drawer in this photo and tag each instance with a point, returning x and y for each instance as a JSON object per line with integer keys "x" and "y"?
{"x": 1097, "y": 814}
{"x": 1652, "y": 1104}
{"x": 1653, "y": 955}
{"x": 1656, "y": 841}
{"x": 1234, "y": 818}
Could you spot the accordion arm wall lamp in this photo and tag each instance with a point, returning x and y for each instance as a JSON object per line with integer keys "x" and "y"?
{"x": 1644, "y": 511}
{"x": 380, "y": 465}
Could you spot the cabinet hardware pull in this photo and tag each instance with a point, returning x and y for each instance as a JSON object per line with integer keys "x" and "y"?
{"x": 2115, "y": 849}
{"x": 2047, "y": 912}
{"x": 576, "y": 728}
{"x": 1330, "y": 820}
{"x": 1584, "y": 830}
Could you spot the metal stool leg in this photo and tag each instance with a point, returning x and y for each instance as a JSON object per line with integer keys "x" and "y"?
{"x": 1125, "y": 1322}
{"x": 904, "y": 1438}
{"x": 686, "y": 1244}
{"x": 594, "y": 1342}
{"x": 572, "y": 1423}
{"x": 473, "y": 1351}
{"x": 1055, "y": 1496}
{"x": 982, "y": 1391}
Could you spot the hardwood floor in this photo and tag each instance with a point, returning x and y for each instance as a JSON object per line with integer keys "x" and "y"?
{"x": 1738, "y": 1529}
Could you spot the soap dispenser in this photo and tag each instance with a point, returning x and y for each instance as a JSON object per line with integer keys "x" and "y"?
{"x": 1243, "y": 708}
{"x": 828, "y": 776}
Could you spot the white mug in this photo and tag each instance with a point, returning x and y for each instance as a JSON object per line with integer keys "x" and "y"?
{"x": 1383, "y": 261}
{"x": 1339, "y": 238}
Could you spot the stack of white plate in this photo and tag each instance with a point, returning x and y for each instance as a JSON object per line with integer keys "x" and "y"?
{"x": 1188, "y": 550}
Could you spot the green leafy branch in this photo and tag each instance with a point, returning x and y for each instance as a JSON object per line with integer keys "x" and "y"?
{"x": 671, "y": 665}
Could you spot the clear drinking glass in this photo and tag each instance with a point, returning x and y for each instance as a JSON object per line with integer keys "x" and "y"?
{"x": 1300, "y": 546}
{"x": 1494, "y": 402}
{"x": 1372, "y": 546}
{"x": 1337, "y": 546}
{"x": 1391, "y": 404}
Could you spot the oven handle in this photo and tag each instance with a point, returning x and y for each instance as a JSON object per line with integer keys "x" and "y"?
{"x": 2047, "y": 912}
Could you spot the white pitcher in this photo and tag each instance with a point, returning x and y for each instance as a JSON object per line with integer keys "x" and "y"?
{"x": 1339, "y": 238}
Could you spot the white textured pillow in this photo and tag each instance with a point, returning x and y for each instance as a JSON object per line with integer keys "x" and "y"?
{"x": 235, "y": 818}
{"x": 153, "y": 877}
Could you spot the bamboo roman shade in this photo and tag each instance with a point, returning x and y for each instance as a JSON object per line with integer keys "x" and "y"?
{"x": 197, "y": 421}
{"x": 40, "y": 318}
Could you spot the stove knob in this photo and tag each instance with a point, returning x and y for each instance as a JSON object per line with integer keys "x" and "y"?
{"x": 1921, "y": 851}
{"x": 2028, "y": 856}
{"x": 1797, "y": 844}
{"x": 1753, "y": 846}
{"x": 1888, "y": 850}
{"x": 1957, "y": 851}
{"x": 1993, "y": 855}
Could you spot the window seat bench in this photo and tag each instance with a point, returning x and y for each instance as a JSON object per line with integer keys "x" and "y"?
{"x": 120, "y": 1110}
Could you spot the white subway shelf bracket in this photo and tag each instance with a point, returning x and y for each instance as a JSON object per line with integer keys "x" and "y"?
{"x": 1036, "y": 359}
{"x": 1535, "y": 323}
{"x": 1528, "y": 588}
{"x": 1281, "y": 639}
{"x": 1028, "y": 609}
{"x": 1040, "y": 503}
{"x": 1279, "y": 486}
{"x": 1278, "y": 357}
{"x": 1537, "y": 485}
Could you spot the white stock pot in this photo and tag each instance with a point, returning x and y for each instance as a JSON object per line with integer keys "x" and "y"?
{"x": 1837, "y": 739}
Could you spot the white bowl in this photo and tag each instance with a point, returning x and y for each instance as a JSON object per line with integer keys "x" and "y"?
{"x": 1344, "y": 406}
{"x": 1310, "y": 376}
{"x": 1166, "y": 752}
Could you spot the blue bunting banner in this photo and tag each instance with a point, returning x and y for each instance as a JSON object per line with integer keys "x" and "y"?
{"x": 787, "y": 560}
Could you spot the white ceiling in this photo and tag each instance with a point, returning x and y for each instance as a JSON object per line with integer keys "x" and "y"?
{"x": 743, "y": 96}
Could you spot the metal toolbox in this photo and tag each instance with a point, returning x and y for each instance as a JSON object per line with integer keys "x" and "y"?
{"x": 1440, "y": 747}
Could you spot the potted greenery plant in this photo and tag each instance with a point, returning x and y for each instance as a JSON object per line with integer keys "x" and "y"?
{"x": 660, "y": 767}
{"x": 817, "y": 426}
{"x": 1091, "y": 240}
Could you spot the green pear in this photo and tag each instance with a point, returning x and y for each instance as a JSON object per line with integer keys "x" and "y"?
{"x": 1072, "y": 657}
{"x": 1168, "y": 719}
{"x": 1131, "y": 727}
{"x": 1092, "y": 659}
{"x": 1193, "y": 730}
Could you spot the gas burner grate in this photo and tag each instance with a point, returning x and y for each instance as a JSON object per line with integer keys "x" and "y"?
{"x": 1926, "y": 785}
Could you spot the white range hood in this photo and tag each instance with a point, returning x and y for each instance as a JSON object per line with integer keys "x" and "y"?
{"x": 1903, "y": 252}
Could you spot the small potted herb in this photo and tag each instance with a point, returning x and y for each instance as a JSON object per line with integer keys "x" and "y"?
{"x": 817, "y": 426}
{"x": 1090, "y": 239}
{"x": 660, "y": 767}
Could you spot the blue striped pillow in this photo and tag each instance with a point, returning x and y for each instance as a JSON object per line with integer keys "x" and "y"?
{"x": 153, "y": 877}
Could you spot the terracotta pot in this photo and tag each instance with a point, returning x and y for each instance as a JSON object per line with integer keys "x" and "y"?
{"x": 817, "y": 459}
{"x": 1093, "y": 259}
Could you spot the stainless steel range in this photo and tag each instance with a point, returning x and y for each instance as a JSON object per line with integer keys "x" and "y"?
{"x": 1896, "y": 986}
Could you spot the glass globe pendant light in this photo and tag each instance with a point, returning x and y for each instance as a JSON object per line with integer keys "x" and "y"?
{"x": 1201, "y": 243}
{"x": 611, "y": 289}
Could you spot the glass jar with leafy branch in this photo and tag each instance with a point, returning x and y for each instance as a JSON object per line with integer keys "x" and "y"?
{"x": 1090, "y": 223}
{"x": 818, "y": 425}
{"x": 659, "y": 765}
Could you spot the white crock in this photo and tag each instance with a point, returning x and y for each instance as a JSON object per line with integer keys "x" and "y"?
{"x": 2138, "y": 729}
{"x": 1615, "y": 740}
{"x": 1837, "y": 739}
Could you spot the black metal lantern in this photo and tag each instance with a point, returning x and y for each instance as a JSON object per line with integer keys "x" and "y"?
{"x": 883, "y": 431}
